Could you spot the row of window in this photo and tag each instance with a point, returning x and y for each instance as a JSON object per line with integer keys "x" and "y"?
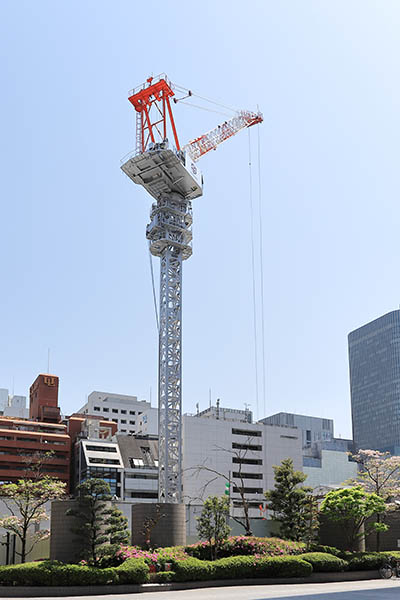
{"x": 237, "y": 446}
{"x": 247, "y": 432}
{"x": 247, "y": 461}
{"x": 248, "y": 490}
{"x": 35, "y": 440}
{"x": 247, "y": 475}
{"x": 115, "y": 411}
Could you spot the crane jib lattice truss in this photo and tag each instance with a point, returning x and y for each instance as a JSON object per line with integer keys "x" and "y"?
{"x": 174, "y": 180}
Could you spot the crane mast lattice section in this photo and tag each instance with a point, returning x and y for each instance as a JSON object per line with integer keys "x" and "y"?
{"x": 170, "y": 238}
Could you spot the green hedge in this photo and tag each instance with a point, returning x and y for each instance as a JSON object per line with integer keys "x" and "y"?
{"x": 55, "y": 573}
{"x": 133, "y": 570}
{"x": 165, "y": 577}
{"x": 326, "y": 549}
{"x": 324, "y": 563}
{"x": 237, "y": 567}
{"x": 366, "y": 561}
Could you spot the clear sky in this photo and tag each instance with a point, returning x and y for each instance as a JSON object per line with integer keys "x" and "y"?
{"x": 74, "y": 266}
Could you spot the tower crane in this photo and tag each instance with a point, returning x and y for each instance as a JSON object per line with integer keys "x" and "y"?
{"x": 172, "y": 178}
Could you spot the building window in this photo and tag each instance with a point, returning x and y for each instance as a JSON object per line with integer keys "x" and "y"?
{"x": 247, "y": 490}
{"x": 101, "y": 448}
{"x": 254, "y": 447}
{"x": 247, "y": 461}
{"x": 97, "y": 408}
{"x": 106, "y": 409}
{"x": 123, "y": 430}
{"x": 115, "y": 410}
{"x": 114, "y": 420}
{"x": 123, "y": 421}
{"x": 243, "y": 475}
{"x": 131, "y": 422}
{"x": 132, "y": 412}
{"x": 247, "y": 432}
{"x": 123, "y": 412}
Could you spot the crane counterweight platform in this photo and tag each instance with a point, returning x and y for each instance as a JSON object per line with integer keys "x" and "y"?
{"x": 172, "y": 177}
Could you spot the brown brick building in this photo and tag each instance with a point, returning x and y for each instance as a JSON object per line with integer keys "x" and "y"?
{"x": 25, "y": 442}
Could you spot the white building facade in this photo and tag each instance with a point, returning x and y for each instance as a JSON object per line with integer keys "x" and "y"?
{"x": 124, "y": 410}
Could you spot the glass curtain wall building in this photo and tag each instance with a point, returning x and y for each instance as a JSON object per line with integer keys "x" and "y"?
{"x": 374, "y": 357}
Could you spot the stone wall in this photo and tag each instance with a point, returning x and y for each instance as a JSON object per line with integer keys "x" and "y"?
{"x": 166, "y": 524}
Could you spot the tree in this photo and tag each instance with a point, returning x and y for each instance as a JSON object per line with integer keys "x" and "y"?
{"x": 291, "y": 502}
{"x": 350, "y": 508}
{"x": 25, "y": 500}
{"x": 212, "y": 523}
{"x": 238, "y": 458}
{"x": 99, "y": 522}
{"x": 380, "y": 474}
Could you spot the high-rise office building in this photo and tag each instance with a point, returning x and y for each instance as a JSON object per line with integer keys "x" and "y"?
{"x": 374, "y": 357}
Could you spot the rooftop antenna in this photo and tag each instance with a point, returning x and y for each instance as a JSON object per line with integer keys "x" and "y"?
{"x": 197, "y": 408}
{"x": 217, "y": 411}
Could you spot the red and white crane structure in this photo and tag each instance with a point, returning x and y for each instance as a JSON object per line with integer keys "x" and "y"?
{"x": 172, "y": 177}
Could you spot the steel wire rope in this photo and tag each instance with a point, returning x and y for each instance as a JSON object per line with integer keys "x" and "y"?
{"x": 186, "y": 90}
{"x": 218, "y": 112}
{"x": 154, "y": 290}
{"x": 261, "y": 272}
{"x": 253, "y": 273}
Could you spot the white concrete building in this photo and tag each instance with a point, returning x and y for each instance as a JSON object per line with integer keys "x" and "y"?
{"x": 331, "y": 469}
{"x": 314, "y": 429}
{"x": 13, "y": 406}
{"x": 235, "y": 449}
{"x": 119, "y": 408}
{"x": 148, "y": 422}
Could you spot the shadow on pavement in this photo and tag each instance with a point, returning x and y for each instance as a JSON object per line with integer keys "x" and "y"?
{"x": 392, "y": 593}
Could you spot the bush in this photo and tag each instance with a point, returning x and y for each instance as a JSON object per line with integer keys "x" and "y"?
{"x": 366, "y": 561}
{"x": 192, "y": 569}
{"x": 247, "y": 545}
{"x": 133, "y": 570}
{"x": 55, "y": 573}
{"x": 324, "y": 563}
{"x": 327, "y": 549}
{"x": 165, "y": 577}
{"x": 283, "y": 566}
{"x": 237, "y": 567}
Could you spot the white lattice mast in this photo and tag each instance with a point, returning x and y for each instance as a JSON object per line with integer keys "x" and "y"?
{"x": 174, "y": 180}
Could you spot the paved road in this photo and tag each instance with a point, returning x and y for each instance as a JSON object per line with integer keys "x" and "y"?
{"x": 355, "y": 590}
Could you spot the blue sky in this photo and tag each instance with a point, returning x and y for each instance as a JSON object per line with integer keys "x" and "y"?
{"x": 74, "y": 266}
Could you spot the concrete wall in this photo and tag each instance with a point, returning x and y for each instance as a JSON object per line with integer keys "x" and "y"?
{"x": 335, "y": 469}
{"x": 64, "y": 544}
{"x": 168, "y": 528}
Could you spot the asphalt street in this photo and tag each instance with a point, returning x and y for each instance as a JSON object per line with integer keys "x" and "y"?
{"x": 355, "y": 590}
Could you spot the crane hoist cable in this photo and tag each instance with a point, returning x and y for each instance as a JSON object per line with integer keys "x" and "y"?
{"x": 218, "y": 112}
{"x": 253, "y": 275}
{"x": 260, "y": 220}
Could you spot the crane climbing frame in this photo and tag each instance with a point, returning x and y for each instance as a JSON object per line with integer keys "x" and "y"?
{"x": 174, "y": 180}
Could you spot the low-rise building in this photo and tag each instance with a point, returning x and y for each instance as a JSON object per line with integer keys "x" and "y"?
{"x": 123, "y": 410}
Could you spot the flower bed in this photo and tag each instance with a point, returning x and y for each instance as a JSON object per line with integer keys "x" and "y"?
{"x": 244, "y": 546}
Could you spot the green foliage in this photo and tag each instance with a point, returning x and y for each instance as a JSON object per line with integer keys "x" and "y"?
{"x": 165, "y": 577}
{"x": 212, "y": 524}
{"x": 29, "y": 497}
{"x": 350, "y": 508}
{"x": 133, "y": 570}
{"x": 244, "y": 545}
{"x": 238, "y": 567}
{"x": 327, "y": 549}
{"x": 193, "y": 569}
{"x": 324, "y": 563}
{"x": 293, "y": 504}
{"x": 98, "y": 523}
{"x": 51, "y": 573}
{"x": 366, "y": 561}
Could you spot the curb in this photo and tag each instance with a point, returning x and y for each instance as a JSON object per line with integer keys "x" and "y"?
{"x": 98, "y": 590}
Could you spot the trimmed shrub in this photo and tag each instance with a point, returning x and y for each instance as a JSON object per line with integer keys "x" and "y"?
{"x": 247, "y": 545}
{"x": 193, "y": 569}
{"x": 283, "y": 566}
{"x": 324, "y": 563}
{"x": 165, "y": 577}
{"x": 367, "y": 561}
{"x": 133, "y": 570}
{"x": 238, "y": 567}
{"x": 54, "y": 573}
{"x": 327, "y": 549}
